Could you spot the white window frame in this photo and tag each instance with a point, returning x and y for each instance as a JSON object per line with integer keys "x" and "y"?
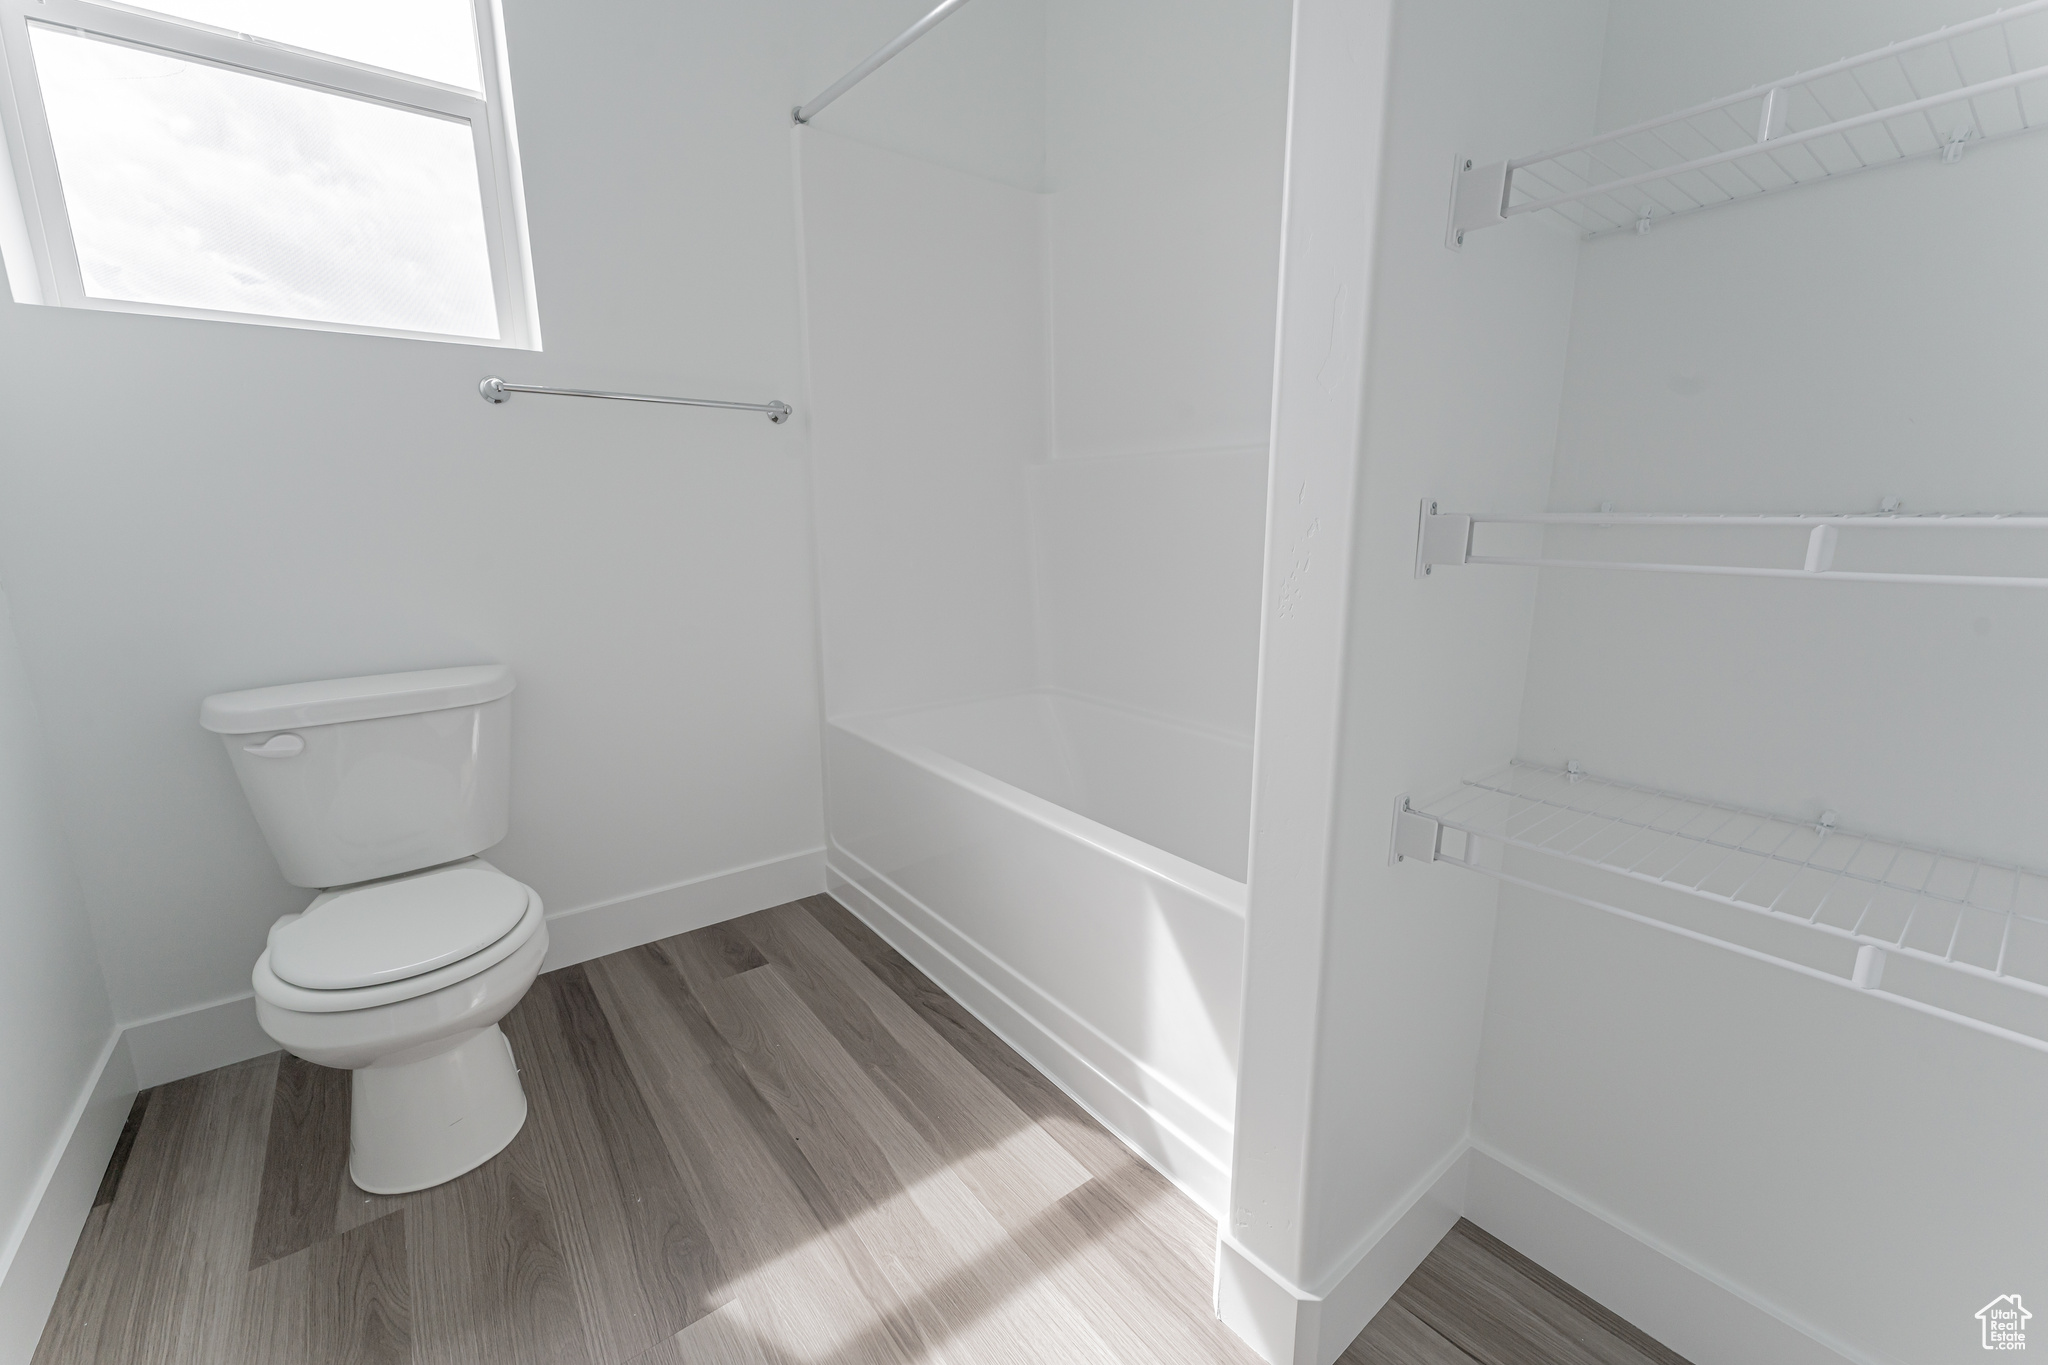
{"x": 35, "y": 226}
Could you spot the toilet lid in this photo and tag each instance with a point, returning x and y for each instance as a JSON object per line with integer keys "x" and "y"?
{"x": 397, "y": 929}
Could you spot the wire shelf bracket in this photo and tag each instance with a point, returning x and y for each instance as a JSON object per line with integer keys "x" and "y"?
{"x": 1972, "y": 917}
{"x": 1447, "y": 538}
{"x": 1934, "y": 95}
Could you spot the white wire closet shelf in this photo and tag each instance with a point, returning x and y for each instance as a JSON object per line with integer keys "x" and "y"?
{"x": 1934, "y": 95}
{"x": 1975, "y": 917}
{"x": 1446, "y": 538}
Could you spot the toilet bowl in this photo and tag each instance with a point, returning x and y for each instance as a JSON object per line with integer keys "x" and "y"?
{"x": 379, "y": 792}
{"x": 435, "y": 1090}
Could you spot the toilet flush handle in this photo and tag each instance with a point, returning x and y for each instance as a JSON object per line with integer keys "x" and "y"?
{"x": 277, "y": 746}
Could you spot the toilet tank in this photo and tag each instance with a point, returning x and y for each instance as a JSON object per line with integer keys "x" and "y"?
{"x": 360, "y": 778}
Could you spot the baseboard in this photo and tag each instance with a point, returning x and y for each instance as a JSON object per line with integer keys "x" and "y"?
{"x": 612, "y": 926}
{"x": 1696, "y": 1312}
{"x": 1288, "y": 1324}
{"x": 991, "y": 991}
{"x": 1269, "y": 1312}
{"x": 173, "y": 1046}
{"x": 1386, "y": 1256}
{"x": 32, "y": 1265}
{"x": 187, "y": 1042}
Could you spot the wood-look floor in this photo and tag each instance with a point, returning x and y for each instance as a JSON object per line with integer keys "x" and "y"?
{"x": 771, "y": 1142}
{"x": 1475, "y": 1300}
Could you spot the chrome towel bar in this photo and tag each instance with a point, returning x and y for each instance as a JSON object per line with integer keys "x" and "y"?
{"x": 496, "y": 390}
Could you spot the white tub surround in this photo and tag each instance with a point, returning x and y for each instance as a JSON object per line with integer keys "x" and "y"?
{"x": 1039, "y": 323}
{"x": 1183, "y": 789}
{"x": 1060, "y": 867}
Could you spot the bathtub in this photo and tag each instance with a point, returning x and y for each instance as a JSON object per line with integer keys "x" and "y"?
{"x": 1074, "y": 874}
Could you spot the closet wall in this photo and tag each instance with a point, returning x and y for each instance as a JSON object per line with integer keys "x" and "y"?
{"x": 1466, "y": 362}
{"x": 1866, "y": 1171}
{"x": 1751, "y": 1164}
{"x": 1365, "y": 996}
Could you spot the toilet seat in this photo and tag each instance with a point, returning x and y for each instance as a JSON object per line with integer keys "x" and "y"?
{"x": 377, "y": 941}
{"x": 396, "y": 930}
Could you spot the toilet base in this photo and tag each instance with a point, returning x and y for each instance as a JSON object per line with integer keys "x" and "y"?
{"x": 422, "y": 1120}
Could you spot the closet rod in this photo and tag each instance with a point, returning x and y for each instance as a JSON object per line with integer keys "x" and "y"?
{"x": 496, "y": 390}
{"x": 1902, "y": 521}
{"x": 804, "y": 113}
{"x": 1956, "y": 580}
{"x": 1447, "y": 538}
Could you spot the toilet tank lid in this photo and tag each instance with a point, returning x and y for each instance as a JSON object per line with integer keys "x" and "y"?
{"x": 297, "y": 705}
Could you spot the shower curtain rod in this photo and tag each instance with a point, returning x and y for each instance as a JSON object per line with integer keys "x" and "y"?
{"x": 804, "y": 113}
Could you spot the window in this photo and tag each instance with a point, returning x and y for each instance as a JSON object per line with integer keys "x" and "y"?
{"x": 341, "y": 164}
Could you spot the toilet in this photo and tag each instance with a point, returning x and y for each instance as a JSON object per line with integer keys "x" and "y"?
{"x": 380, "y": 792}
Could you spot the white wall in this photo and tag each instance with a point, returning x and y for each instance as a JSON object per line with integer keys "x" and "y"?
{"x": 1340, "y": 59}
{"x": 54, "y": 1014}
{"x": 1872, "y": 1173}
{"x": 1467, "y": 362}
{"x": 55, "y": 1020}
{"x": 191, "y": 506}
{"x": 1364, "y": 1003}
